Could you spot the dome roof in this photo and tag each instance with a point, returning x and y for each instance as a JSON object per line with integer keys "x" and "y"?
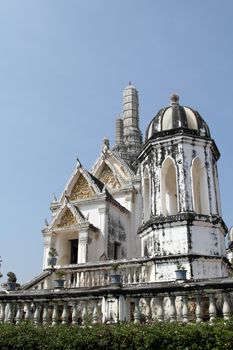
{"x": 176, "y": 117}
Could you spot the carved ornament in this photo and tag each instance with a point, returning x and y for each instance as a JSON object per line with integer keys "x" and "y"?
{"x": 81, "y": 189}
{"x": 108, "y": 178}
{"x": 67, "y": 219}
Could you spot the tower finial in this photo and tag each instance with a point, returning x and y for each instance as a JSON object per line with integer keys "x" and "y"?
{"x": 174, "y": 99}
{"x": 130, "y": 82}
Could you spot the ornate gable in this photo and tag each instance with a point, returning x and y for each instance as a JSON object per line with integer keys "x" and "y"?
{"x": 67, "y": 219}
{"x": 112, "y": 170}
{"x": 81, "y": 189}
{"x": 108, "y": 178}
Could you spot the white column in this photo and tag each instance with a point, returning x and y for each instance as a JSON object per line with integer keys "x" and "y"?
{"x": 82, "y": 247}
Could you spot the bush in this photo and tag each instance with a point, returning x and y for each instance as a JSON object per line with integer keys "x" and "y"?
{"x": 162, "y": 336}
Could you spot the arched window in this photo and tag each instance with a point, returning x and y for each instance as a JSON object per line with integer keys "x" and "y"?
{"x": 169, "y": 188}
{"x": 146, "y": 195}
{"x": 200, "y": 188}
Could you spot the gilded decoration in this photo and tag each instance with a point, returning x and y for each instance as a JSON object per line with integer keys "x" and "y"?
{"x": 67, "y": 219}
{"x": 81, "y": 189}
{"x": 108, "y": 178}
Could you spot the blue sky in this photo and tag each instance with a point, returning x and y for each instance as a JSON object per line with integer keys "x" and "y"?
{"x": 63, "y": 66}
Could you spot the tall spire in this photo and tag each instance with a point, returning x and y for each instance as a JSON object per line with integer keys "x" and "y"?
{"x": 128, "y": 141}
{"x": 132, "y": 133}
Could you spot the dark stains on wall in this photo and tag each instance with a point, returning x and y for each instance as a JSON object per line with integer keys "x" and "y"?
{"x": 116, "y": 235}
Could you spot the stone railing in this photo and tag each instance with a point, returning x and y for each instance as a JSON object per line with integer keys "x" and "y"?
{"x": 98, "y": 274}
{"x": 184, "y": 302}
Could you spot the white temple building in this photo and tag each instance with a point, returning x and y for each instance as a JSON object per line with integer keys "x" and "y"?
{"x": 146, "y": 211}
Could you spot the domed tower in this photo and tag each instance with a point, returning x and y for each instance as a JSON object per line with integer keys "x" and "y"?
{"x": 181, "y": 204}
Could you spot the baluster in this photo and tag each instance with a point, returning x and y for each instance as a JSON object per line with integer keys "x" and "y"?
{"x": 172, "y": 310}
{"x": 45, "y": 316}
{"x": 199, "y": 310}
{"x": 68, "y": 280}
{"x": 87, "y": 279}
{"x": 95, "y": 312}
{"x": 78, "y": 280}
{"x": 226, "y": 307}
{"x": 18, "y": 317}
{"x": 37, "y": 313}
{"x": 27, "y": 308}
{"x": 64, "y": 314}
{"x": 123, "y": 276}
{"x": 27, "y": 315}
{"x": 93, "y": 280}
{"x": 10, "y": 313}
{"x": 84, "y": 313}
{"x": 140, "y": 274}
{"x": 212, "y": 308}
{"x": 129, "y": 275}
{"x": 108, "y": 277}
{"x": 55, "y": 314}
{"x": 82, "y": 279}
{"x": 148, "y": 310}
{"x": 137, "y": 313}
{"x": 185, "y": 309}
{"x": 134, "y": 275}
{"x": 74, "y": 313}
{"x": 2, "y": 314}
{"x": 160, "y": 310}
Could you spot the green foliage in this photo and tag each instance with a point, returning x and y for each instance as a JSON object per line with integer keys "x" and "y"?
{"x": 160, "y": 336}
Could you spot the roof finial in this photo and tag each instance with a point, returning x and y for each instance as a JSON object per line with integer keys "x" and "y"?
{"x": 78, "y": 164}
{"x": 130, "y": 82}
{"x": 174, "y": 99}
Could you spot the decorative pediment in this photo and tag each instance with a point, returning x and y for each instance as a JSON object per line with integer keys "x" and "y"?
{"x": 81, "y": 185}
{"x": 107, "y": 177}
{"x": 81, "y": 189}
{"x": 67, "y": 215}
{"x": 111, "y": 170}
{"x": 67, "y": 219}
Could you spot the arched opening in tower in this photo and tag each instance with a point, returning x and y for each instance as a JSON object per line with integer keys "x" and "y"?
{"x": 200, "y": 188}
{"x": 146, "y": 195}
{"x": 169, "y": 188}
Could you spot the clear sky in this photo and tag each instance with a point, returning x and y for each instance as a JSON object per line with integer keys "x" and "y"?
{"x": 63, "y": 66}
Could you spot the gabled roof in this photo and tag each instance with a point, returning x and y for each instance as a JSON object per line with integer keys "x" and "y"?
{"x": 67, "y": 215}
{"x": 81, "y": 185}
{"x": 110, "y": 169}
